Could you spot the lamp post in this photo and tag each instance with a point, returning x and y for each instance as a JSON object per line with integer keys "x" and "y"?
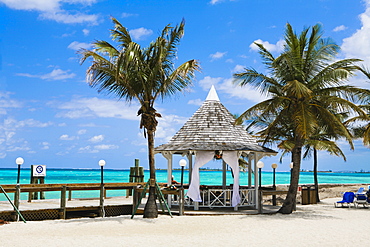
{"x": 102, "y": 211}
{"x": 291, "y": 173}
{"x": 291, "y": 169}
{"x": 274, "y": 166}
{"x": 182, "y": 163}
{"x": 101, "y": 164}
{"x": 19, "y": 161}
{"x": 260, "y": 165}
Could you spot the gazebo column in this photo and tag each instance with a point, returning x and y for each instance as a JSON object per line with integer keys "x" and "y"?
{"x": 256, "y": 197}
{"x": 250, "y": 158}
{"x": 168, "y": 156}
{"x": 190, "y": 159}
{"x": 224, "y": 174}
{"x": 257, "y": 157}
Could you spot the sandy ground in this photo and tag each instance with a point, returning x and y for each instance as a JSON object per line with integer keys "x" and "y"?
{"x": 311, "y": 225}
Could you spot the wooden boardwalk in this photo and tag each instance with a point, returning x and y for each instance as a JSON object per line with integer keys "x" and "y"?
{"x": 67, "y": 207}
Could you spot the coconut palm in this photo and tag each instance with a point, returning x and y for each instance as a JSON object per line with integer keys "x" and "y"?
{"x": 146, "y": 74}
{"x": 362, "y": 129}
{"x": 319, "y": 141}
{"x": 306, "y": 88}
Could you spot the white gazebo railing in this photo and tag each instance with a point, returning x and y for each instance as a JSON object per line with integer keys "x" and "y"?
{"x": 218, "y": 197}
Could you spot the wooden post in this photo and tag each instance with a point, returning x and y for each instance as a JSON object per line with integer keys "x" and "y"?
{"x": 260, "y": 201}
{"x": 135, "y": 199}
{"x": 63, "y": 202}
{"x": 32, "y": 195}
{"x": 42, "y": 193}
{"x": 136, "y": 175}
{"x": 16, "y": 201}
{"x": 102, "y": 211}
{"x": 181, "y": 202}
{"x": 69, "y": 195}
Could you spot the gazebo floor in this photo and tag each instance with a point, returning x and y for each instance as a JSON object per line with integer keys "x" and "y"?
{"x": 267, "y": 209}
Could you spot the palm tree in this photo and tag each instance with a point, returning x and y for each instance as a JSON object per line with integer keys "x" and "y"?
{"x": 319, "y": 141}
{"x": 306, "y": 88}
{"x": 131, "y": 72}
{"x": 362, "y": 129}
{"x": 312, "y": 147}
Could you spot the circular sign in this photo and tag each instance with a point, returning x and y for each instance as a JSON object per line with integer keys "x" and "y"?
{"x": 39, "y": 169}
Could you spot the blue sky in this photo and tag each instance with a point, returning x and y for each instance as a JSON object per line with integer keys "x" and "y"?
{"x": 49, "y": 115}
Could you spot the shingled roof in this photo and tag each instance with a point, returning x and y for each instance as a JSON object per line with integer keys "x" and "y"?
{"x": 212, "y": 128}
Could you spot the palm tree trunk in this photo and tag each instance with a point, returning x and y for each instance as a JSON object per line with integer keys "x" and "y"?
{"x": 151, "y": 210}
{"x": 316, "y": 181}
{"x": 290, "y": 200}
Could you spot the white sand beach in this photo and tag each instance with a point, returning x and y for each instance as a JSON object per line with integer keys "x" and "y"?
{"x": 311, "y": 225}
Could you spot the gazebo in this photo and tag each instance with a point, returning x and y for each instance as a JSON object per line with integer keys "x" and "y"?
{"x": 211, "y": 133}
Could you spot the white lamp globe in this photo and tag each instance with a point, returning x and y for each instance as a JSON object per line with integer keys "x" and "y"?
{"x": 274, "y": 166}
{"x": 101, "y": 162}
{"x": 182, "y": 162}
{"x": 19, "y": 161}
{"x": 260, "y": 164}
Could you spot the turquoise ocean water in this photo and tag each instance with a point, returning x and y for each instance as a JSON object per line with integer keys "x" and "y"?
{"x": 207, "y": 177}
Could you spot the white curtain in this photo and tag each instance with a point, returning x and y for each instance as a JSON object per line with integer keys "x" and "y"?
{"x": 201, "y": 158}
{"x": 231, "y": 158}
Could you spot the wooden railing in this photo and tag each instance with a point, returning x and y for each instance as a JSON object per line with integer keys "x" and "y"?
{"x": 64, "y": 188}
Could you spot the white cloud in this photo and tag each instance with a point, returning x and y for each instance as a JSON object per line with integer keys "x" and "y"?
{"x": 208, "y": 81}
{"x": 358, "y": 44}
{"x": 105, "y": 147}
{"x": 340, "y": 28}
{"x": 245, "y": 92}
{"x": 126, "y": 15}
{"x": 238, "y": 68}
{"x": 56, "y": 74}
{"x": 64, "y": 17}
{"x": 97, "y": 148}
{"x": 195, "y": 102}
{"x": 215, "y": 1}
{"x": 52, "y": 10}
{"x": 39, "y": 5}
{"x": 217, "y": 55}
{"x": 86, "y": 31}
{"x": 9, "y": 142}
{"x": 67, "y": 138}
{"x": 95, "y": 107}
{"x": 87, "y": 149}
{"x": 6, "y": 102}
{"x": 27, "y": 123}
{"x": 140, "y": 33}
{"x": 78, "y": 45}
{"x": 96, "y": 139}
{"x": 45, "y": 145}
{"x": 278, "y": 47}
{"x": 227, "y": 86}
{"x": 81, "y": 132}
{"x": 167, "y": 127}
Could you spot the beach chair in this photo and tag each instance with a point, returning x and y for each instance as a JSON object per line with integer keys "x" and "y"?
{"x": 361, "y": 190}
{"x": 348, "y": 198}
{"x": 361, "y": 199}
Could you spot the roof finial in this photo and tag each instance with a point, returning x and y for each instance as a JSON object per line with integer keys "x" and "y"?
{"x": 212, "y": 95}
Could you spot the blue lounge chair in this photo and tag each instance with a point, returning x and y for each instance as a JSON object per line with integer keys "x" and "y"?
{"x": 348, "y": 198}
{"x": 361, "y": 190}
{"x": 361, "y": 199}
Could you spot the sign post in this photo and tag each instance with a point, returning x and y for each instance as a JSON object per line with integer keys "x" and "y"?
{"x": 38, "y": 174}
